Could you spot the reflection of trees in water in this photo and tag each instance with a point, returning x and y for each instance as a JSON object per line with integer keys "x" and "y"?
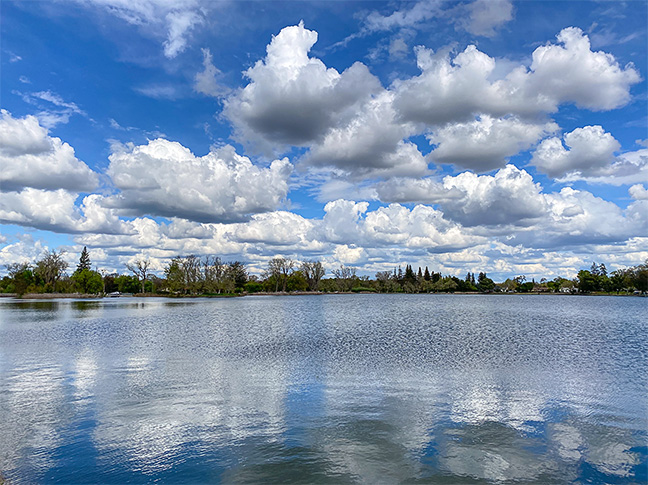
{"x": 37, "y": 305}
{"x": 85, "y": 306}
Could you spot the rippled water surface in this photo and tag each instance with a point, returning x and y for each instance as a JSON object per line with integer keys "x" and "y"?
{"x": 325, "y": 389}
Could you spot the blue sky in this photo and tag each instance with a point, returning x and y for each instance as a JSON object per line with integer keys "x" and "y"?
{"x": 464, "y": 136}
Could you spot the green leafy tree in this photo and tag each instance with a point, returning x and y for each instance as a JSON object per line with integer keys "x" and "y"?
{"x": 127, "y": 284}
{"x": 175, "y": 275}
{"x": 22, "y": 275}
{"x": 50, "y": 268}
{"x": 237, "y": 274}
{"x": 297, "y": 282}
{"x": 253, "y": 286}
{"x": 587, "y": 282}
{"x": 88, "y": 281}
{"x": 484, "y": 283}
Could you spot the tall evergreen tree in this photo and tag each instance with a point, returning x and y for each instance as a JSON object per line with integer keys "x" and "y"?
{"x": 426, "y": 275}
{"x": 420, "y": 274}
{"x": 409, "y": 274}
{"x": 84, "y": 260}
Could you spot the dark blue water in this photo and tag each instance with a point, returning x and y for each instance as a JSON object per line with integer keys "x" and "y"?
{"x": 325, "y": 389}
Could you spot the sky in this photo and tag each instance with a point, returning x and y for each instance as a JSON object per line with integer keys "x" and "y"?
{"x": 485, "y": 135}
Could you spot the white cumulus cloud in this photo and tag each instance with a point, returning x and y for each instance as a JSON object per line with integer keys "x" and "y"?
{"x": 456, "y": 89}
{"x": 587, "y": 151}
{"x": 486, "y": 143}
{"x": 508, "y": 197}
{"x": 293, "y": 98}
{"x": 206, "y": 81}
{"x": 31, "y": 158}
{"x": 164, "y": 178}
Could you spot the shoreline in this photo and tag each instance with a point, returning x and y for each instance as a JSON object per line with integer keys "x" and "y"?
{"x": 82, "y": 296}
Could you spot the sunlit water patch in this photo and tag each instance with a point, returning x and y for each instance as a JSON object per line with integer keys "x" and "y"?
{"x": 325, "y": 389}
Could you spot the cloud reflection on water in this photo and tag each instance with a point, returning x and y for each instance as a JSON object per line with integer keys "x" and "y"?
{"x": 203, "y": 391}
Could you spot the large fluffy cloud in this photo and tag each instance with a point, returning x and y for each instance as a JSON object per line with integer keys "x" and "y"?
{"x": 508, "y": 197}
{"x": 486, "y": 143}
{"x": 31, "y": 158}
{"x": 589, "y": 151}
{"x": 423, "y": 227}
{"x": 573, "y": 73}
{"x": 55, "y": 210}
{"x": 511, "y": 207}
{"x": 293, "y": 98}
{"x": 370, "y": 144}
{"x": 164, "y": 178}
{"x": 450, "y": 90}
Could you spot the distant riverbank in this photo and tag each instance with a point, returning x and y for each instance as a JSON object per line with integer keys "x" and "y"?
{"x": 53, "y": 296}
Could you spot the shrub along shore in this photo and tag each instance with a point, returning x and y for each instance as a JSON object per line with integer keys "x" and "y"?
{"x": 209, "y": 276}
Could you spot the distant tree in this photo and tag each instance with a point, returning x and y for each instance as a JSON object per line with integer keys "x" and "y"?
{"x": 526, "y": 287}
{"x": 88, "y": 281}
{"x": 50, "y": 268}
{"x": 84, "y": 260}
{"x": 174, "y": 274}
{"x": 409, "y": 276}
{"x": 484, "y": 283}
{"x": 110, "y": 286}
{"x": 426, "y": 275}
{"x": 214, "y": 274}
{"x": 22, "y": 276}
{"x": 253, "y": 286}
{"x": 192, "y": 272}
{"x": 313, "y": 271}
{"x": 345, "y": 277}
{"x": 385, "y": 282}
{"x": 618, "y": 280}
{"x": 127, "y": 284}
{"x": 587, "y": 282}
{"x": 419, "y": 276}
{"x": 140, "y": 268}
{"x": 237, "y": 273}
{"x": 297, "y": 282}
{"x": 279, "y": 269}
{"x": 640, "y": 277}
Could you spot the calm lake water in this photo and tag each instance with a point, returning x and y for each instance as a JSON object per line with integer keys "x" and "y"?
{"x": 325, "y": 389}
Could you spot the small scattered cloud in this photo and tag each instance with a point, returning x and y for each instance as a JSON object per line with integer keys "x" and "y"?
{"x": 638, "y": 192}
{"x": 206, "y": 81}
{"x": 173, "y": 21}
{"x": 179, "y": 23}
{"x": 485, "y": 17}
{"x": 54, "y": 110}
{"x": 13, "y": 57}
{"x": 24, "y": 80}
{"x": 158, "y": 91}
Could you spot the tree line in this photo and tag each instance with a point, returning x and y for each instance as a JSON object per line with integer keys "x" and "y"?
{"x": 210, "y": 275}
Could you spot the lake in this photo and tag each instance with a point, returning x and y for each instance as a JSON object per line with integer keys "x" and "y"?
{"x": 325, "y": 389}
